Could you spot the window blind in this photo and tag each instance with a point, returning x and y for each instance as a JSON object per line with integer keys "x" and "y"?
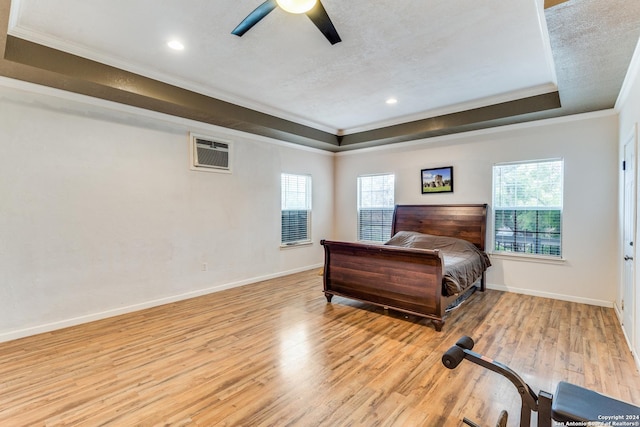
{"x": 295, "y": 208}
{"x": 527, "y": 200}
{"x": 375, "y": 207}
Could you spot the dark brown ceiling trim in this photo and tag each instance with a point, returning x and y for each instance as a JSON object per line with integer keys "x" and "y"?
{"x": 81, "y": 75}
{"x": 27, "y": 61}
{"x": 447, "y": 124}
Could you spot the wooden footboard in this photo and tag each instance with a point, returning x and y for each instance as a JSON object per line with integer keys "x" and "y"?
{"x": 404, "y": 279}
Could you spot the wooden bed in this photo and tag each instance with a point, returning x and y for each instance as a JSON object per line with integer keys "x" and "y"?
{"x": 404, "y": 279}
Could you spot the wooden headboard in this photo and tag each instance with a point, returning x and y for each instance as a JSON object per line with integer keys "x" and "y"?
{"x": 466, "y": 222}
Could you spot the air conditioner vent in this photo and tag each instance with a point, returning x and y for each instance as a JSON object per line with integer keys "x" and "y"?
{"x": 210, "y": 155}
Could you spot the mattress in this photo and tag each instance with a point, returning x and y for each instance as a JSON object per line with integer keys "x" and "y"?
{"x": 464, "y": 263}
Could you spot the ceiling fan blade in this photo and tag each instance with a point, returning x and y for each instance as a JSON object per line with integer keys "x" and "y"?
{"x": 254, "y": 17}
{"x": 551, "y": 3}
{"x": 321, "y": 19}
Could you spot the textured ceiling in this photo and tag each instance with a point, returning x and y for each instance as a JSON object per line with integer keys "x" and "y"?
{"x": 453, "y": 65}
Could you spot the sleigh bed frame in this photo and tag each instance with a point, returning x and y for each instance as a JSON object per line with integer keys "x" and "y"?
{"x": 404, "y": 279}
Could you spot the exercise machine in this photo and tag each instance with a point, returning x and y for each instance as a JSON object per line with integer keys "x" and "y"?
{"x": 571, "y": 405}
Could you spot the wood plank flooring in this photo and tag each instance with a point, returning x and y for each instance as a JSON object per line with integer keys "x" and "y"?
{"x": 276, "y": 353}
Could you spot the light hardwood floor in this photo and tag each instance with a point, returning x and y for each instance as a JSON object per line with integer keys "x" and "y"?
{"x": 276, "y": 353}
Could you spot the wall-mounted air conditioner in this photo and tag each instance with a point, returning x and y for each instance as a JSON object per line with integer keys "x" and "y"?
{"x": 210, "y": 154}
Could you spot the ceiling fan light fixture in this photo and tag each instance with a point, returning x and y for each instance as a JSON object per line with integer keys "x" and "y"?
{"x": 296, "y": 6}
{"x": 175, "y": 45}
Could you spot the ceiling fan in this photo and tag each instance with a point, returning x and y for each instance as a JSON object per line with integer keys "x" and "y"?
{"x": 312, "y": 8}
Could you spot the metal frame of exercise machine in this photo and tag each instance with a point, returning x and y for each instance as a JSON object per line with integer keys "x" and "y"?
{"x": 571, "y": 404}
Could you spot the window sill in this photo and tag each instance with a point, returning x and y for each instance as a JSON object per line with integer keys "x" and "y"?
{"x": 527, "y": 258}
{"x": 295, "y": 245}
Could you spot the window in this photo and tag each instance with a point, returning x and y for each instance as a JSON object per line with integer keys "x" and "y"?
{"x": 527, "y": 201}
{"x": 375, "y": 207}
{"x": 296, "y": 209}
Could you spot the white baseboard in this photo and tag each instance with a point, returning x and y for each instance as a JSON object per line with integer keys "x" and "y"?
{"x": 65, "y": 323}
{"x": 561, "y": 297}
{"x": 618, "y": 312}
{"x": 635, "y": 355}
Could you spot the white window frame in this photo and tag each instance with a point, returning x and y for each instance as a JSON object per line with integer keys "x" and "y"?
{"x": 543, "y": 244}
{"x": 295, "y": 200}
{"x": 375, "y": 204}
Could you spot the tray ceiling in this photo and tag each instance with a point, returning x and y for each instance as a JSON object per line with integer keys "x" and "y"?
{"x": 451, "y": 65}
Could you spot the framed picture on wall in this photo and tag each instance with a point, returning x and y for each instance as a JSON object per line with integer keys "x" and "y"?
{"x": 437, "y": 180}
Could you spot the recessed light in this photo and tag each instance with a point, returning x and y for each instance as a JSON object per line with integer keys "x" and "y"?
{"x": 175, "y": 45}
{"x": 391, "y": 101}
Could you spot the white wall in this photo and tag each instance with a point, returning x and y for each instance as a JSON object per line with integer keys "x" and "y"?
{"x": 588, "y": 144}
{"x": 100, "y": 214}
